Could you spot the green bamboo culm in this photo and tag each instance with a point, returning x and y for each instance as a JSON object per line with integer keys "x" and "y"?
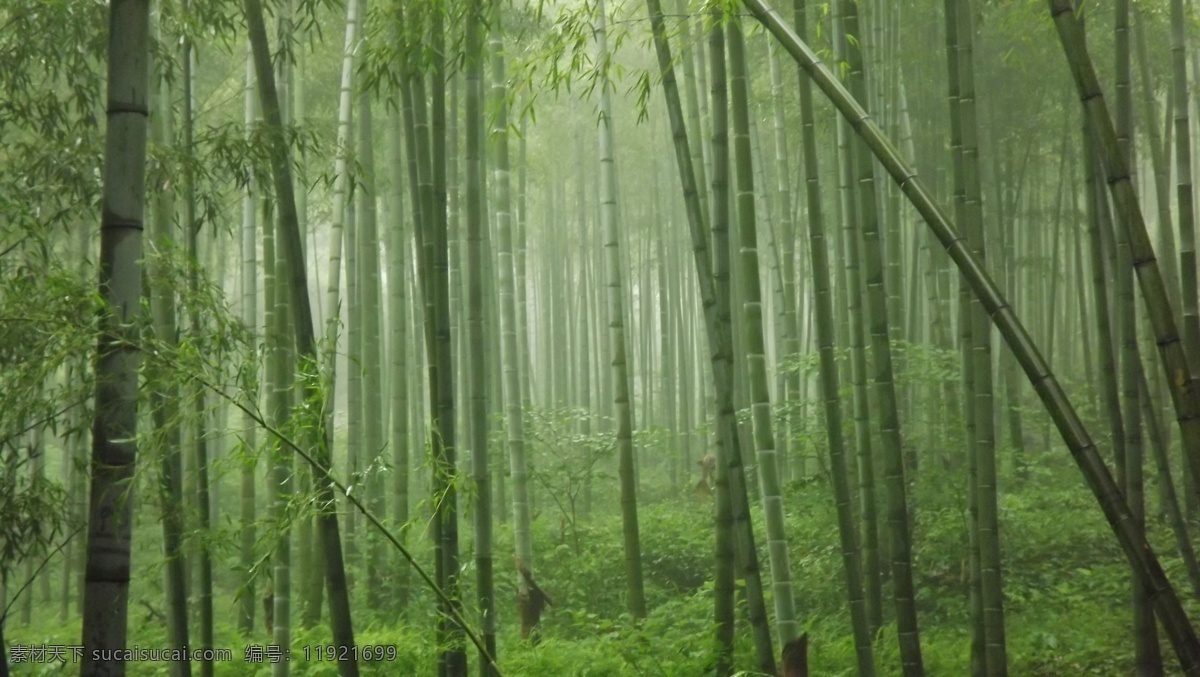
{"x": 883, "y": 379}
{"x": 752, "y": 327}
{"x": 164, "y": 402}
{"x": 398, "y": 369}
{"x": 847, "y": 242}
{"x": 369, "y": 300}
{"x": 249, "y": 436}
{"x": 826, "y": 329}
{"x": 477, "y": 347}
{"x": 622, "y": 401}
{"x": 511, "y": 367}
{"x": 115, "y": 426}
{"x": 318, "y": 435}
{"x": 713, "y": 284}
{"x": 985, "y": 543}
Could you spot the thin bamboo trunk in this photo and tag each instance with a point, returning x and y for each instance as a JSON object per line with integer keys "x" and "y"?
{"x": 280, "y": 479}
{"x": 352, "y": 302}
{"x": 520, "y": 289}
{"x": 372, "y": 353}
{"x": 398, "y": 368}
{"x": 1147, "y": 653}
{"x": 986, "y": 497}
{"x": 191, "y": 227}
{"x": 756, "y": 359}
{"x": 826, "y": 328}
{"x": 249, "y": 288}
{"x": 791, "y": 329}
{"x": 337, "y": 219}
{"x": 1190, "y": 298}
{"x": 479, "y": 350}
{"x": 884, "y": 382}
{"x": 529, "y": 597}
{"x": 852, "y": 212}
{"x": 164, "y": 401}
{"x": 622, "y": 402}
{"x": 317, "y": 433}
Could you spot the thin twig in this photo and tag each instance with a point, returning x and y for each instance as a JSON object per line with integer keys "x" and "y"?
{"x": 366, "y": 513}
{"x": 45, "y": 561}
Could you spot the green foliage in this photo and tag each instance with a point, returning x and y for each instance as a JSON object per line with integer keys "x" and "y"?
{"x": 49, "y": 115}
{"x": 1054, "y": 576}
{"x": 47, "y": 322}
{"x": 50, "y": 107}
{"x": 564, "y": 462}
{"x": 32, "y": 516}
{"x": 561, "y": 657}
{"x": 928, "y": 371}
{"x": 678, "y": 548}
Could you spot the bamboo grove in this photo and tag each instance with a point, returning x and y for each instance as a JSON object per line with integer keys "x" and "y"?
{"x": 599, "y": 337}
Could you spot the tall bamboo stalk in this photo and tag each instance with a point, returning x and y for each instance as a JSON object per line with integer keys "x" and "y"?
{"x": 791, "y": 328}
{"x": 398, "y": 367}
{"x": 317, "y": 434}
{"x": 756, "y": 359}
{"x": 338, "y": 215}
{"x": 114, "y": 447}
{"x": 826, "y": 329}
{"x": 511, "y": 364}
{"x": 249, "y": 284}
{"x": 372, "y": 352}
{"x": 479, "y": 351}
{"x": 445, "y": 446}
{"x": 1183, "y": 187}
{"x": 850, "y": 248}
{"x": 165, "y": 401}
{"x": 712, "y": 277}
{"x": 191, "y": 228}
{"x": 636, "y": 596}
{"x": 984, "y": 451}
{"x": 883, "y": 379}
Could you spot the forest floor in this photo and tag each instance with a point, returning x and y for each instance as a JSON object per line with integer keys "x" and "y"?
{"x": 1066, "y": 593}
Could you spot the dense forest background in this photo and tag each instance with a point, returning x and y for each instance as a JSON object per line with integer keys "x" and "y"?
{"x": 576, "y": 337}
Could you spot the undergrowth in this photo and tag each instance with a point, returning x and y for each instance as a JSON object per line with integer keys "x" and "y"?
{"x": 1066, "y": 593}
